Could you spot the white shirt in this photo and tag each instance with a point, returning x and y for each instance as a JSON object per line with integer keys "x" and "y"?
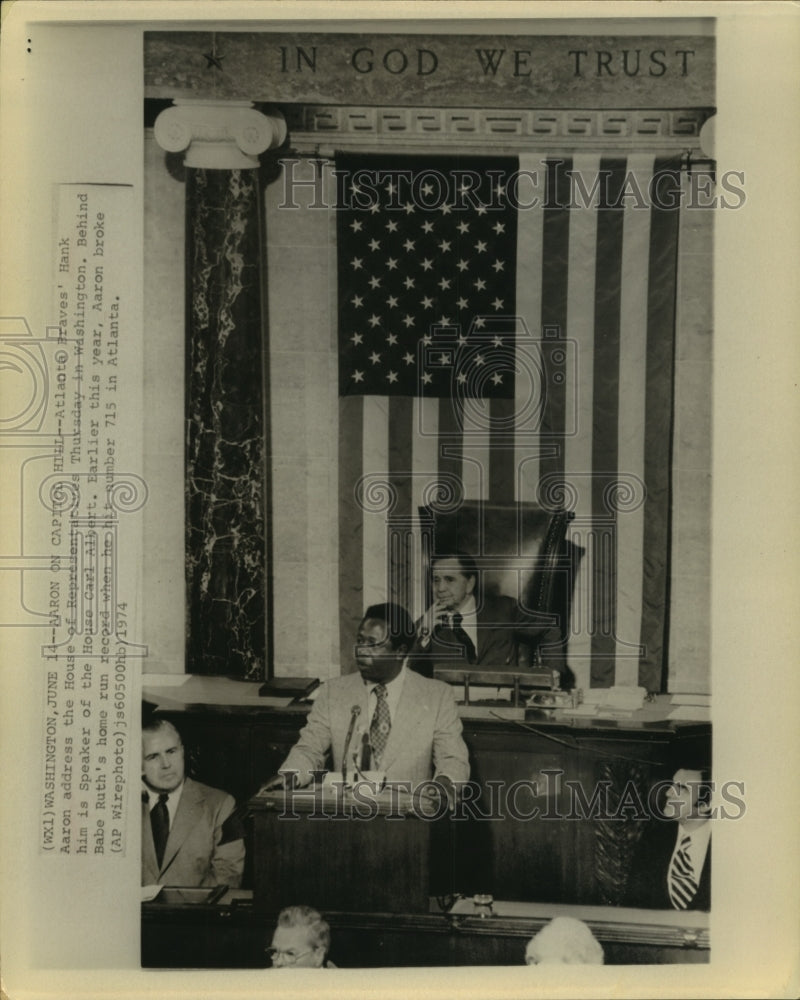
{"x": 172, "y": 802}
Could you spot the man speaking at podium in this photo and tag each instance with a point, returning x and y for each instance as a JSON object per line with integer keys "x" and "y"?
{"x": 386, "y": 717}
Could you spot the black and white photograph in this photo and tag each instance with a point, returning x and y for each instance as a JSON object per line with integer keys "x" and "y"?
{"x": 441, "y": 467}
{"x": 398, "y": 578}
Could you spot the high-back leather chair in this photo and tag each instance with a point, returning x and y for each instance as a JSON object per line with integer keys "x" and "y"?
{"x": 521, "y": 552}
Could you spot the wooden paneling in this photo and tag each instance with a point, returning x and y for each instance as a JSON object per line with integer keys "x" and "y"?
{"x": 321, "y": 853}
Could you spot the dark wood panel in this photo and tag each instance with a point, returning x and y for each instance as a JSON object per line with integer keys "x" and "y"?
{"x": 318, "y": 851}
{"x": 203, "y": 937}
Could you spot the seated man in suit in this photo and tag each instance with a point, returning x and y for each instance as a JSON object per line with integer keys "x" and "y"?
{"x": 410, "y": 723}
{"x": 301, "y": 940}
{"x": 488, "y": 633}
{"x": 672, "y": 866}
{"x": 190, "y": 836}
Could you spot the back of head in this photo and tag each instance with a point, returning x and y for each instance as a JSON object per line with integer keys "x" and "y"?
{"x": 564, "y": 940}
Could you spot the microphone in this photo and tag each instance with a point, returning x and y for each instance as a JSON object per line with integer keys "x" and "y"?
{"x": 366, "y": 753}
{"x": 355, "y": 711}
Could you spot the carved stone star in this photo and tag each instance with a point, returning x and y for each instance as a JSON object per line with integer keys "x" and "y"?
{"x": 212, "y": 59}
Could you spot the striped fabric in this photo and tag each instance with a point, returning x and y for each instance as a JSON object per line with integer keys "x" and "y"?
{"x": 589, "y": 425}
{"x": 681, "y": 879}
{"x": 381, "y": 725}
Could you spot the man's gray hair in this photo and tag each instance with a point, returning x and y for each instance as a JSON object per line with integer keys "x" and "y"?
{"x": 156, "y": 724}
{"x": 319, "y": 933}
{"x": 566, "y": 940}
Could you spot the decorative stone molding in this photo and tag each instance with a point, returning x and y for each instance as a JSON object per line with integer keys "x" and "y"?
{"x": 312, "y": 125}
{"x": 708, "y": 136}
{"x": 219, "y": 135}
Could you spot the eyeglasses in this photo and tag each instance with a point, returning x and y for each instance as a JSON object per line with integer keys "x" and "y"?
{"x": 289, "y": 957}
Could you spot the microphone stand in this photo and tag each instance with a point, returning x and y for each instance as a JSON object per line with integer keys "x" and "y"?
{"x": 355, "y": 711}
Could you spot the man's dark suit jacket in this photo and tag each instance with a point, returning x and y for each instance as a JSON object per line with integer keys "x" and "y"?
{"x": 648, "y": 882}
{"x": 500, "y": 626}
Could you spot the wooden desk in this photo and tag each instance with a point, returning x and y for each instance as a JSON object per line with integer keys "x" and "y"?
{"x": 219, "y": 936}
{"x": 332, "y": 851}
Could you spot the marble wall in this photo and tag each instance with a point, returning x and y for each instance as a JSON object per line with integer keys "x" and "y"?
{"x": 226, "y": 483}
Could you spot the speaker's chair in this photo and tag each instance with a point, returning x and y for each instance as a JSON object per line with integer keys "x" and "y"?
{"x": 525, "y": 572}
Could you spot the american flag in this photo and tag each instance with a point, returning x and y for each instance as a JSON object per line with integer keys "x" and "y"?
{"x": 510, "y": 353}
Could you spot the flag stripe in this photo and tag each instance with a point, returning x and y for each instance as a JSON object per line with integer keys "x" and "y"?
{"x": 425, "y": 451}
{"x": 660, "y": 378}
{"x": 632, "y": 412}
{"x": 579, "y": 400}
{"x": 501, "y": 450}
{"x": 451, "y": 445}
{"x": 351, "y": 524}
{"x": 605, "y": 417}
{"x": 376, "y": 500}
{"x": 475, "y": 465}
{"x": 555, "y": 257}
{"x": 528, "y": 385}
{"x": 400, "y": 430}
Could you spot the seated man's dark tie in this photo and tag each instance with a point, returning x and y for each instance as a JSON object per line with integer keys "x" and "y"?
{"x": 159, "y": 821}
{"x": 463, "y": 638}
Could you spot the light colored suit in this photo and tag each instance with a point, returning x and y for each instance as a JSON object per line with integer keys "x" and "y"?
{"x": 199, "y": 851}
{"x": 425, "y": 739}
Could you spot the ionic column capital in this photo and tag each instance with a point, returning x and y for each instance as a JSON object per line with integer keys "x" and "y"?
{"x": 221, "y": 135}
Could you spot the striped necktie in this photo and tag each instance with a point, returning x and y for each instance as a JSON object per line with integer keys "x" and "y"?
{"x": 381, "y": 724}
{"x": 681, "y": 880}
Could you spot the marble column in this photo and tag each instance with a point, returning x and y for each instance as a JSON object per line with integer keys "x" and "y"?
{"x": 227, "y": 477}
